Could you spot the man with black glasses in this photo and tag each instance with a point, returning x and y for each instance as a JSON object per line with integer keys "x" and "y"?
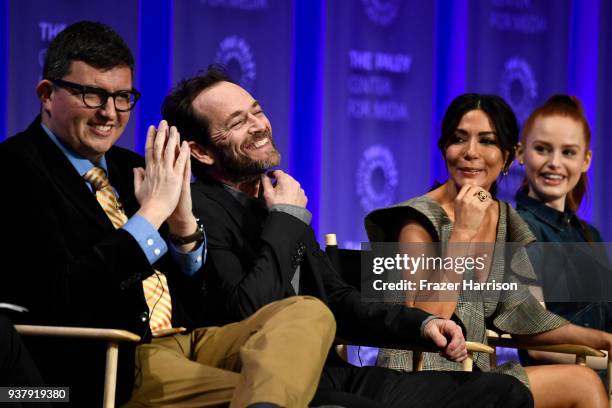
{"x": 86, "y": 224}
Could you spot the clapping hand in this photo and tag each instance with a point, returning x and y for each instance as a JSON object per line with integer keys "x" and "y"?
{"x": 160, "y": 185}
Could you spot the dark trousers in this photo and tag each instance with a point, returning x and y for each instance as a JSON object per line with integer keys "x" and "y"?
{"x": 16, "y": 366}
{"x": 370, "y": 387}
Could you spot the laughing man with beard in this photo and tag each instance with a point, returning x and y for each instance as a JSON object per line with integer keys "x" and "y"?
{"x": 261, "y": 248}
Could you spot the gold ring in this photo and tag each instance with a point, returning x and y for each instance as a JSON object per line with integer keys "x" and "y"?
{"x": 482, "y": 195}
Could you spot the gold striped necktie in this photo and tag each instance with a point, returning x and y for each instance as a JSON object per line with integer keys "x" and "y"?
{"x": 155, "y": 287}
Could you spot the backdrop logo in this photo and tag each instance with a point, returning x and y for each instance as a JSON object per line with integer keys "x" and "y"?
{"x": 381, "y": 12}
{"x": 519, "y": 87}
{"x": 235, "y": 54}
{"x": 376, "y": 178}
{"x": 247, "y": 5}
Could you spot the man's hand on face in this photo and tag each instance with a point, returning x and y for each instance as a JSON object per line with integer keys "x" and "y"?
{"x": 286, "y": 190}
{"x": 447, "y": 335}
{"x": 158, "y": 187}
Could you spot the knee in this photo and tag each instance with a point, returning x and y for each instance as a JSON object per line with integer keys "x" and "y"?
{"x": 318, "y": 310}
{"x": 512, "y": 392}
{"x": 520, "y": 393}
{"x": 584, "y": 376}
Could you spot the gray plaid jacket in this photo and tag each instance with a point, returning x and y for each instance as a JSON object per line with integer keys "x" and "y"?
{"x": 514, "y": 312}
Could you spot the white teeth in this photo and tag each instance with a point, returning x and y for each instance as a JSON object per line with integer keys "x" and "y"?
{"x": 103, "y": 128}
{"x": 553, "y": 176}
{"x": 260, "y": 143}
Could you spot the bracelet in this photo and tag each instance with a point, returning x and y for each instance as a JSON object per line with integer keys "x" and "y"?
{"x": 196, "y": 236}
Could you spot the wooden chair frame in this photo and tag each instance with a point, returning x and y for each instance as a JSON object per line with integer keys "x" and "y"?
{"x": 417, "y": 361}
{"x": 112, "y": 337}
{"x": 580, "y": 351}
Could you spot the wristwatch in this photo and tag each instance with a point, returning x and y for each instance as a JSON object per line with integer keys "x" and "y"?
{"x": 198, "y": 235}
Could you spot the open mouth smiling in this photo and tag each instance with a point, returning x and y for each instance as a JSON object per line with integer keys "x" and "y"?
{"x": 258, "y": 144}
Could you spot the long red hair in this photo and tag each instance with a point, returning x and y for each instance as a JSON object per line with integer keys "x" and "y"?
{"x": 571, "y": 107}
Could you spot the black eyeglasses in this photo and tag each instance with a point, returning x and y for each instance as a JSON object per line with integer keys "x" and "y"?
{"x": 95, "y": 98}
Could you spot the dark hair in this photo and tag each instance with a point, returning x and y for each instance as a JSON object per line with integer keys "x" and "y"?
{"x": 500, "y": 114}
{"x": 177, "y": 106}
{"x": 570, "y": 107}
{"x": 178, "y": 111}
{"x": 93, "y": 43}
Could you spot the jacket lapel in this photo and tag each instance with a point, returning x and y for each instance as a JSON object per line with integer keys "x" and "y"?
{"x": 247, "y": 223}
{"x": 242, "y": 217}
{"x": 123, "y": 185}
{"x": 60, "y": 172}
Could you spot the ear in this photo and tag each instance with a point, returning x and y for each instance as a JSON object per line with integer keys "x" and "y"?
{"x": 44, "y": 90}
{"x": 201, "y": 153}
{"x": 587, "y": 161}
{"x": 520, "y": 153}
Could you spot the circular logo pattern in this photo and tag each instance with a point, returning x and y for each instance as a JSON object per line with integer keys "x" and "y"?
{"x": 376, "y": 178}
{"x": 519, "y": 87}
{"x": 381, "y": 12}
{"x": 235, "y": 54}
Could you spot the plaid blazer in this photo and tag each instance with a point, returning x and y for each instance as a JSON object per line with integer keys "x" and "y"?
{"x": 514, "y": 311}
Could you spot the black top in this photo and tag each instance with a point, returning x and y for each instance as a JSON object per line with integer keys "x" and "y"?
{"x": 551, "y": 225}
{"x": 575, "y": 276}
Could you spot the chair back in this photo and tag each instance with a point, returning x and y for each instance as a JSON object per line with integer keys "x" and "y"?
{"x": 346, "y": 261}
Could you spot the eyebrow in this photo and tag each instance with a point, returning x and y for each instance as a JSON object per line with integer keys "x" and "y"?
{"x": 98, "y": 88}
{"x": 577, "y": 146}
{"x": 240, "y": 112}
{"x": 490, "y": 132}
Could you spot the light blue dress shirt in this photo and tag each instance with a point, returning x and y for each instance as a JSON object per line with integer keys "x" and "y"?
{"x": 143, "y": 232}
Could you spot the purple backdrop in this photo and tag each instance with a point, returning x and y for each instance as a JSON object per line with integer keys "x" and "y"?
{"x": 32, "y": 25}
{"x": 252, "y": 38}
{"x": 384, "y": 70}
{"x": 515, "y": 51}
{"x": 377, "y": 105}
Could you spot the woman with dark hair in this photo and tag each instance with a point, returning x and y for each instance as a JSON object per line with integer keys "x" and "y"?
{"x": 554, "y": 150}
{"x": 479, "y": 133}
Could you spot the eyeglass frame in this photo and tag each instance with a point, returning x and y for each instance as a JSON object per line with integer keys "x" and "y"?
{"x": 103, "y": 93}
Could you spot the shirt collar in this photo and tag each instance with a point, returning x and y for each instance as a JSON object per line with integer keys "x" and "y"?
{"x": 243, "y": 198}
{"x": 555, "y": 218}
{"x": 80, "y": 163}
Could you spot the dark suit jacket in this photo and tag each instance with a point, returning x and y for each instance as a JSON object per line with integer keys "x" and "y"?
{"x": 251, "y": 261}
{"x": 68, "y": 264}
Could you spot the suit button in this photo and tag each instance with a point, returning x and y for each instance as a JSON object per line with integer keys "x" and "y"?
{"x": 144, "y": 316}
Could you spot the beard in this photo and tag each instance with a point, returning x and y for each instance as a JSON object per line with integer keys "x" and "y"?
{"x": 241, "y": 169}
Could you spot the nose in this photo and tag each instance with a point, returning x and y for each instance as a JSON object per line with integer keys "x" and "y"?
{"x": 471, "y": 149}
{"x": 257, "y": 124}
{"x": 108, "y": 109}
{"x": 555, "y": 159}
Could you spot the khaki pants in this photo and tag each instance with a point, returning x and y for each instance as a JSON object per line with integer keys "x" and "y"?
{"x": 275, "y": 356}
